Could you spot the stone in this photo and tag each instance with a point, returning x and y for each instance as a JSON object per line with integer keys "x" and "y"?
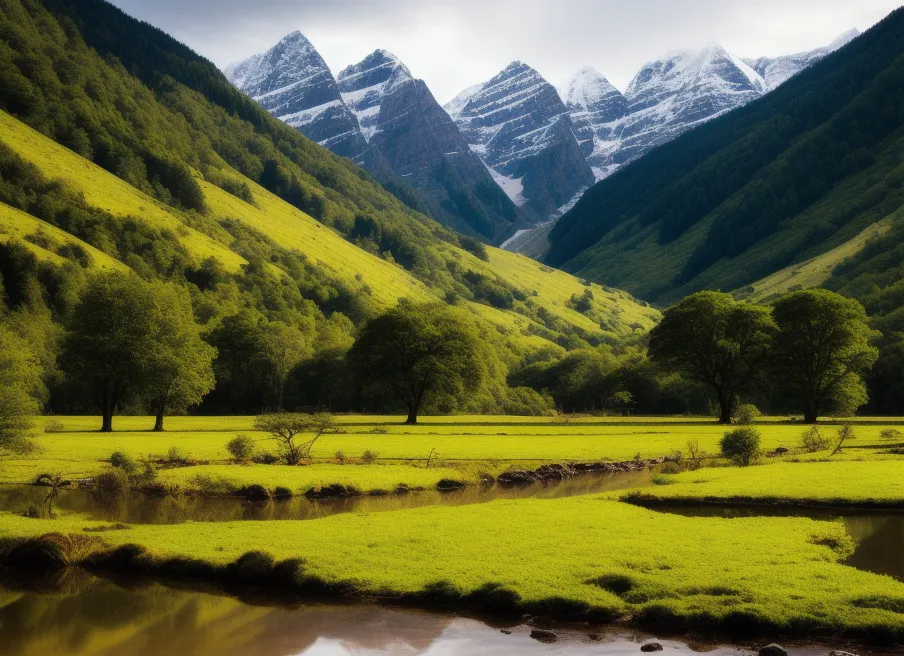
{"x": 773, "y": 650}
{"x": 542, "y": 635}
{"x": 650, "y": 647}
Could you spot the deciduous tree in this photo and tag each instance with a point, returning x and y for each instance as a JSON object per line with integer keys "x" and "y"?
{"x": 715, "y": 340}
{"x": 420, "y": 353}
{"x": 822, "y": 350}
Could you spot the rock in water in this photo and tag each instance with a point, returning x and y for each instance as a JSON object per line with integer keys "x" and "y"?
{"x": 542, "y": 635}
{"x": 773, "y": 650}
{"x": 651, "y": 646}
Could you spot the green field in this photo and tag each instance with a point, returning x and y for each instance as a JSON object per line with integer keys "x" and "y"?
{"x": 829, "y": 483}
{"x": 569, "y": 554}
{"x": 584, "y": 554}
{"x": 81, "y": 452}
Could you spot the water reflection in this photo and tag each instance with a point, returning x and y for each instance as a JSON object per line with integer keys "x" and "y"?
{"x": 142, "y": 509}
{"x": 880, "y": 537}
{"x": 93, "y": 616}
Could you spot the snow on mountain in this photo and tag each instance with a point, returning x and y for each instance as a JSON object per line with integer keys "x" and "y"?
{"x": 777, "y": 70}
{"x": 364, "y": 86}
{"x": 593, "y": 102}
{"x": 522, "y": 130}
{"x": 293, "y": 83}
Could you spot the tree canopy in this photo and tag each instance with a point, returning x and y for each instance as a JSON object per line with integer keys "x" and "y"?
{"x": 822, "y": 350}
{"x": 720, "y": 342}
{"x": 420, "y": 353}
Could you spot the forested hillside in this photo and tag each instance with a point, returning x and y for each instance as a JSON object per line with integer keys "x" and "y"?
{"x": 120, "y": 149}
{"x": 789, "y": 177}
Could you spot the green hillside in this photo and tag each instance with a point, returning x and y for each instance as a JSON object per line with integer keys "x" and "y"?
{"x": 106, "y": 161}
{"x": 775, "y": 184}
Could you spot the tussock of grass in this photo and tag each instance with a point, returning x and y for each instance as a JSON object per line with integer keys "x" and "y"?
{"x": 579, "y": 557}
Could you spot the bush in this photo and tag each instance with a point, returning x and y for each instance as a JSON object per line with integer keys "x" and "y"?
{"x": 111, "y": 484}
{"x": 241, "y": 448}
{"x": 265, "y": 458}
{"x": 54, "y": 426}
{"x": 340, "y": 457}
{"x": 123, "y": 461}
{"x": 369, "y": 457}
{"x": 746, "y": 414}
{"x": 891, "y": 434}
{"x": 176, "y": 456}
{"x": 813, "y": 440}
{"x": 741, "y": 445}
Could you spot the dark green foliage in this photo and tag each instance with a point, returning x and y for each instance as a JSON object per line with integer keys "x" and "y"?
{"x": 716, "y": 341}
{"x": 822, "y": 350}
{"x": 420, "y": 353}
{"x": 789, "y": 176}
{"x": 741, "y": 445}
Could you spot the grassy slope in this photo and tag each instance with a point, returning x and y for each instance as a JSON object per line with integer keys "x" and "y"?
{"x": 17, "y": 224}
{"x": 815, "y": 271}
{"x": 83, "y": 453}
{"x": 106, "y": 191}
{"x": 290, "y": 228}
{"x": 809, "y": 482}
{"x": 776, "y": 570}
{"x": 785, "y": 179}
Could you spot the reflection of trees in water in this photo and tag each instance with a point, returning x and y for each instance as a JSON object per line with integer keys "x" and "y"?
{"x": 881, "y": 544}
{"x": 85, "y": 614}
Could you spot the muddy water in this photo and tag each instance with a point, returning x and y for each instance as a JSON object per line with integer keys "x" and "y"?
{"x": 142, "y": 509}
{"x": 85, "y": 615}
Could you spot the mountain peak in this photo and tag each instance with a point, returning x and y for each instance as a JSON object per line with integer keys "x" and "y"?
{"x": 587, "y": 87}
{"x": 844, "y": 39}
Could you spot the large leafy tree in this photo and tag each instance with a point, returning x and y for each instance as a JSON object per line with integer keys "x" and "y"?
{"x": 711, "y": 338}
{"x": 822, "y": 350}
{"x": 131, "y": 336}
{"x": 282, "y": 348}
{"x": 420, "y": 354}
{"x": 181, "y": 372}
{"x": 20, "y": 386}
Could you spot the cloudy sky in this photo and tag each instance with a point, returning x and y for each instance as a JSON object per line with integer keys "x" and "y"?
{"x": 454, "y": 44}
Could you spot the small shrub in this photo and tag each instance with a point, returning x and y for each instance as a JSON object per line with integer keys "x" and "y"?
{"x": 845, "y": 433}
{"x": 54, "y": 426}
{"x": 695, "y": 455}
{"x": 209, "y": 485}
{"x": 746, "y": 414}
{"x": 241, "y": 448}
{"x": 891, "y": 434}
{"x": 123, "y": 461}
{"x": 369, "y": 457}
{"x": 741, "y": 445}
{"x": 178, "y": 457}
{"x": 111, "y": 484}
{"x": 379, "y": 430}
{"x": 265, "y": 458}
{"x": 813, "y": 440}
{"x": 281, "y": 492}
{"x": 340, "y": 457}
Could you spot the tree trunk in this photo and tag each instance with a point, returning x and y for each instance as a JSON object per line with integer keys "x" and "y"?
{"x": 811, "y": 414}
{"x": 106, "y": 408}
{"x": 725, "y": 408}
{"x": 412, "y": 414}
{"x": 158, "y": 421}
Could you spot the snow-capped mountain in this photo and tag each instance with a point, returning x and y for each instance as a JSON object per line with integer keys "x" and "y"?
{"x": 364, "y": 86}
{"x": 669, "y": 96}
{"x": 293, "y": 83}
{"x": 383, "y": 119}
{"x": 522, "y": 131}
{"x": 776, "y": 70}
{"x": 400, "y": 117}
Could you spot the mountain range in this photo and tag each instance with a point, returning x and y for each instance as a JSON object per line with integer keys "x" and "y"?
{"x": 513, "y": 152}
{"x": 799, "y": 189}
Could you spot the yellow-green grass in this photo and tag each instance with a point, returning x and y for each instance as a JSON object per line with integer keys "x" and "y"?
{"x": 819, "y": 483}
{"x": 815, "y": 271}
{"x": 555, "y": 554}
{"x": 365, "y": 478}
{"x": 291, "y": 228}
{"x": 105, "y": 191}
{"x": 81, "y": 452}
{"x": 15, "y": 224}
